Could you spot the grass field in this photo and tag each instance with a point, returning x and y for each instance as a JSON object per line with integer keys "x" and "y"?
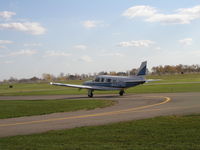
{"x": 161, "y": 133}
{"x": 18, "y": 108}
{"x": 46, "y": 89}
{"x": 176, "y": 78}
{"x": 171, "y": 88}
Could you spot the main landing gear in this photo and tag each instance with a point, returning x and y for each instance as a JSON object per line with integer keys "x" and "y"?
{"x": 90, "y": 93}
{"x": 121, "y": 92}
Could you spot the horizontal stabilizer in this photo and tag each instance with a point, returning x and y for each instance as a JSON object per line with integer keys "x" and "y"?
{"x": 152, "y": 80}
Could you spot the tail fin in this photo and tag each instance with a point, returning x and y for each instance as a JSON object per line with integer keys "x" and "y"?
{"x": 143, "y": 68}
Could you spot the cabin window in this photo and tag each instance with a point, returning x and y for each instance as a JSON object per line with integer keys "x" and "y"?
{"x": 102, "y": 79}
{"x": 97, "y": 80}
{"x": 108, "y": 80}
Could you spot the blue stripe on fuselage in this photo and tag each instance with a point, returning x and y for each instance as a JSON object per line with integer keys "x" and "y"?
{"x": 116, "y": 85}
{"x": 132, "y": 84}
{"x": 105, "y": 84}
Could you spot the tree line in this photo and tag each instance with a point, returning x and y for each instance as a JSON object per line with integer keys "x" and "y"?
{"x": 177, "y": 69}
{"x": 157, "y": 70}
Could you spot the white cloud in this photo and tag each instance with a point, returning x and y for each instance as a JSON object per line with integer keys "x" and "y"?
{"x": 56, "y": 53}
{"x": 186, "y": 41}
{"x": 139, "y": 11}
{"x": 139, "y": 43}
{"x": 181, "y": 16}
{"x": 86, "y": 58}
{"x": 5, "y": 42}
{"x": 23, "y": 52}
{"x": 7, "y": 14}
{"x": 8, "y": 62}
{"x": 90, "y": 24}
{"x": 2, "y": 47}
{"x": 116, "y": 33}
{"x": 158, "y": 48}
{"x": 93, "y": 23}
{"x": 81, "y": 47}
{"x": 32, "y": 44}
{"x": 113, "y": 54}
{"x": 29, "y": 27}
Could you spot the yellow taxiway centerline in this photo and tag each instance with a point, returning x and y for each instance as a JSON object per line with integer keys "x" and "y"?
{"x": 167, "y": 99}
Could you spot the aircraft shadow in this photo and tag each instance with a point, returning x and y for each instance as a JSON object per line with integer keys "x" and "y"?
{"x": 95, "y": 97}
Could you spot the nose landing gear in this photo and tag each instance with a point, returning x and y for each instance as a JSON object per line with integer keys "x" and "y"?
{"x": 90, "y": 93}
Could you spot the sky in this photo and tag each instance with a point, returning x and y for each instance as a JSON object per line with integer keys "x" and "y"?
{"x": 87, "y": 36}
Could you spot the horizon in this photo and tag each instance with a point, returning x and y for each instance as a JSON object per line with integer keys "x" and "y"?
{"x": 94, "y": 36}
{"x": 185, "y": 70}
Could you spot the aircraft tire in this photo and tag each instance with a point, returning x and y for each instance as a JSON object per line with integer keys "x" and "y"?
{"x": 121, "y": 93}
{"x": 90, "y": 94}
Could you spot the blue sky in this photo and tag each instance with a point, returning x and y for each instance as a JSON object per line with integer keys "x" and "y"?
{"x": 85, "y": 36}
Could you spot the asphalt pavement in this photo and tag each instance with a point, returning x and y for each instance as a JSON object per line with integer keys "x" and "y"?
{"x": 127, "y": 107}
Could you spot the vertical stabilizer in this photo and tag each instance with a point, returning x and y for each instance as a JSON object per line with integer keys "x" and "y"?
{"x": 143, "y": 68}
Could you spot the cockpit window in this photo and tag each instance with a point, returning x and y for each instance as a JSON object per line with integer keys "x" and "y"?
{"x": 102, "y": 79}
{"x": 97, "y": 79}
{"x": 108, "y": 80}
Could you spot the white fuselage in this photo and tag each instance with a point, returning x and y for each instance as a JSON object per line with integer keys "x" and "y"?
{"x": 116, "y": 82}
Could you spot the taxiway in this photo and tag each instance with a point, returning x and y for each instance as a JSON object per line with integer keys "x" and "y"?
{"x": 127, "y": 107}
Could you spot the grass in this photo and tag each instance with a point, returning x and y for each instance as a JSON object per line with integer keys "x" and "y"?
{"x": 37, "y": 89}
{"x": 161, "y": 133}
{"x": 18, "y": 108}
{"x": 46, "y": 89}
{"x": 176, "y": 78}
{"x": 171, "y": 88}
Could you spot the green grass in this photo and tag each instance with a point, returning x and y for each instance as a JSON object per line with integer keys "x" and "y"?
{"x": 46, "y": 89}
{"x": 18, "y": 108}
{"x": 176, "y": 78}
{"x": 172, "y": 88}
{"x": 161, "y": 133}
{"x": 37, "y": 89}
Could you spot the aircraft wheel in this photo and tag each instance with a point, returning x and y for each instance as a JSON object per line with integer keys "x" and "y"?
{"x": 90, "y": 94}
{"x": 121, "y": 92}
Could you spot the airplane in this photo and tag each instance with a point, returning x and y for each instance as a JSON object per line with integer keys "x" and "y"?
{"x": 108, "y": 82}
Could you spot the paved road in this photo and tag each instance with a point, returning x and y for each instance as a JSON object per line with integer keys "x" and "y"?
{"x": 129, "y": 107}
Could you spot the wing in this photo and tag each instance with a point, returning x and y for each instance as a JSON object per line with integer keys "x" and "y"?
{"x": 85, "y": 86}
{"x": 72, "y": 85}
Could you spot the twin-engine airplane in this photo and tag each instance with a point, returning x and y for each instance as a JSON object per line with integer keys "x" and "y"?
{"x": 107, "y": 82}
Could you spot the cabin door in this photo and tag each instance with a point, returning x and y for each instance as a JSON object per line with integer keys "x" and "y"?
{"x": 114, "y": 83}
